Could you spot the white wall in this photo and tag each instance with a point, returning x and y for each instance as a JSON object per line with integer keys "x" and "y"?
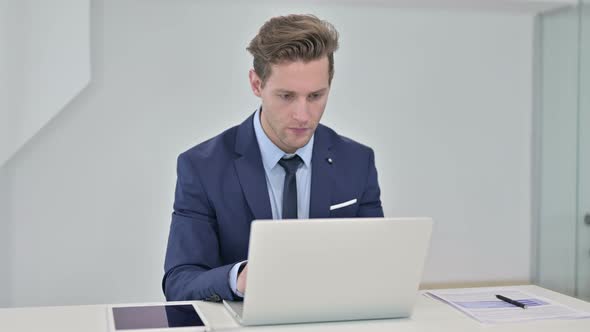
{"x": 447, "y": 106}
{"x": 48, "y": 48}
{"x": 443, "y": 97}
{"x": 5, "y": 239}
{"x": 5, "y": 233}
{"x": 10, "y": 80}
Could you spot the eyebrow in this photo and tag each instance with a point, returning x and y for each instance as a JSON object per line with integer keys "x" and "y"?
{"x": 293, "y": 92}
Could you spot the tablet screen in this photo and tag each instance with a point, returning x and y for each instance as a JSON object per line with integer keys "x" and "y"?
{"x": 156, "y": 316}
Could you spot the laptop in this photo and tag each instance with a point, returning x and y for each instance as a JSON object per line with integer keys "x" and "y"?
{"x": 320, "y": 270}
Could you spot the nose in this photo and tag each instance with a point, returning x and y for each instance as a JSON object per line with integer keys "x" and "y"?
{"x": 301, "y": 112}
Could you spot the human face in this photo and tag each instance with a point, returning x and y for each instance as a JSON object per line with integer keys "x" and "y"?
{"x": 293, "y": 100}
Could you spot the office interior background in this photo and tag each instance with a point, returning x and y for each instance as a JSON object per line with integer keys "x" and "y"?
{"x": 478, "y": 112}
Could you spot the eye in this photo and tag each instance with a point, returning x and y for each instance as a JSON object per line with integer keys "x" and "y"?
{"x": 314, "y": 96}
{"x": 286, "y": 96}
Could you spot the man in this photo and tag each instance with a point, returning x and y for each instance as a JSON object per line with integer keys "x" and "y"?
{"x": 278, "y": 164}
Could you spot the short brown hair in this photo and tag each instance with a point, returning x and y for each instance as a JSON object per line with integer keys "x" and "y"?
{"x": 293, "y": 38}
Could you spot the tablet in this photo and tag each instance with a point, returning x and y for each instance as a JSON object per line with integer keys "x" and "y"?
{"x": 154, "y": 317}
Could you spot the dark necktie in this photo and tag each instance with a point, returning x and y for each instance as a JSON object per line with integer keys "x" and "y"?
{"x": 290, "y": 186}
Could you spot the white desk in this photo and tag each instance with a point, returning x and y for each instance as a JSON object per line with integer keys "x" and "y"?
{"x": 429, "y": 315}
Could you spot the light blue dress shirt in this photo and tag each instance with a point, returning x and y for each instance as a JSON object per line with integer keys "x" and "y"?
{"x": 275, "y": 177}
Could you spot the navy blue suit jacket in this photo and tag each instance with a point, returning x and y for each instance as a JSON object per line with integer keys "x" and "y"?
{"x": 221, "y": 188}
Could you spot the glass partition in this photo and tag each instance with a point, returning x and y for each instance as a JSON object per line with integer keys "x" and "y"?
{"x": 562, "y": 163}
{"x": 583, "y": 224}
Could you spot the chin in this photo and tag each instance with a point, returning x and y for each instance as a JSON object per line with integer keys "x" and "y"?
{"x": 301, "y": 142}
{"x": 295, "y": 144}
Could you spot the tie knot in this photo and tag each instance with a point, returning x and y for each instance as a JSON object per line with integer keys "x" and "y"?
{"x": 290, "y": 164}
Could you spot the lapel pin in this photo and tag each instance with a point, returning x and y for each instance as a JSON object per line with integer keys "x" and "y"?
{"x": 329, "y": 161}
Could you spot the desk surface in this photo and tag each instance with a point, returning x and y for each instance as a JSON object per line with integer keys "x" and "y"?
{"x": 429, "y": 315}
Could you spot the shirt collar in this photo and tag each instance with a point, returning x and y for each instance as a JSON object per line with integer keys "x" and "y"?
{"x": 271, "y": 154}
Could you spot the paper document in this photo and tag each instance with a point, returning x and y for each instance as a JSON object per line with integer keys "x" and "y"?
{"x": 482, "y": 305}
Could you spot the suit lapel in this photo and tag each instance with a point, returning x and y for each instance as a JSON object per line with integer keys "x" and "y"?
{"x": 321, "y": 174}
{"x": 250, "y": 171}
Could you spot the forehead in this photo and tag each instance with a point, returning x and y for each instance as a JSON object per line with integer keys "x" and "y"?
{"x": 299, "y": 76}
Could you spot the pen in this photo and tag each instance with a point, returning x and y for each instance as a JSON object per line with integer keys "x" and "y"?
{"x": 511, "y": 301}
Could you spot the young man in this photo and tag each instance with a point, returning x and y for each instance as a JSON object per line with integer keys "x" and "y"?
{"x": 278, "y": 164}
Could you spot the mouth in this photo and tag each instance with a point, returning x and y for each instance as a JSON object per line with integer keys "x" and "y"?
{"x": 299, "y": 131}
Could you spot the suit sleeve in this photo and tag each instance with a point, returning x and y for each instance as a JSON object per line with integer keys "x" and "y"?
{"x": 193, "y": 269}
{"x": 370, "y": 203}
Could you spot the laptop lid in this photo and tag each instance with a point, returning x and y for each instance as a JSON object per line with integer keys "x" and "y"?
{"x": 334, "y": 269}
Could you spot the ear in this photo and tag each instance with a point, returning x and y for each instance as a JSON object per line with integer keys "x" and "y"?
{"x": 255, "y": 83}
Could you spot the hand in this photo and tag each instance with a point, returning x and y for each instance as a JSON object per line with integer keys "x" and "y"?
{"x": 242, "y": 280}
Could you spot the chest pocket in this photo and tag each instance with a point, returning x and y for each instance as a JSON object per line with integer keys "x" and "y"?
{"x": 346, "y": 209}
